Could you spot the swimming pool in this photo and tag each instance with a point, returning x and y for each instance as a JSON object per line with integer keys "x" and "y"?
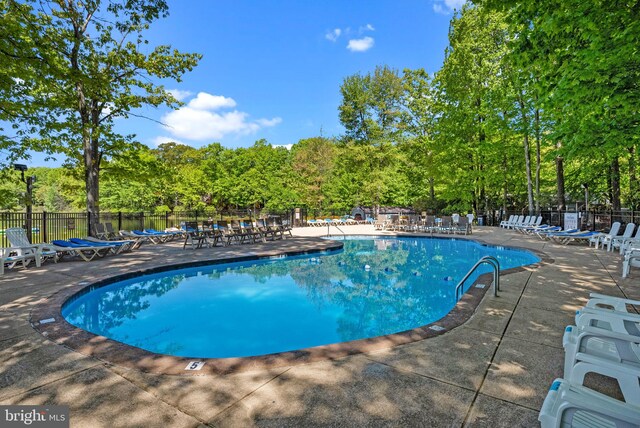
{"x": 375, "y": 286}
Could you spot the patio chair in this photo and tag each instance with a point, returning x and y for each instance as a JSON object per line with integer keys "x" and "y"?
{"x": 445, "y": 225}
{"x": 227, "y": 233}
{"x": 254, "y": 233}
{"x": 573, "y": 237}
{"x": 267, "y": 231}
{"x": 110, "y": 232}
{"x": 99, "y": 231}
{"x": 168, "y": 235}
{"x": 568, "y": 405}
{"x": 608, "y": 353}
{"x": 9, "y": 259}
{"x": 194, "y": 236}
{"x": 547, "y": 234}
{"x": 504, "y": 223}
{"x": 605, "y": 303}
{"x": 533, "y": 222}
{"x": 631, "y": 259}
{"x": 616, "y": 241}
{"x": 516, "y": 220}
{"x": 19, "y": 241}
{"x": 462, "y": 226}
{"x": 210, "y": 228}
{"x": 604, "y": 238}
{"x": 155, "y": 236}
{"x": 139, "y": 240}
{"x": 280, "y": 224}
{"x": 122, "y": 245}
{"x": 633, "y": 241}
{"x": 85, "y": 252}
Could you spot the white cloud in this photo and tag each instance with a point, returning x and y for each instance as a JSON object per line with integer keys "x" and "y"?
{"x": 204, "y": 101}
{"x": 286, "y": 146}
{"x": 446, "y": 7}
{"x": 179, "y": 94}
{"x": 163, "y": 140}
{"x": 269, "y": 122}
{"x": 360, "y": 45}
{"x": 333, "y": 34}
{"x": 199, "y": 120}
{"x": 365, "y": 28}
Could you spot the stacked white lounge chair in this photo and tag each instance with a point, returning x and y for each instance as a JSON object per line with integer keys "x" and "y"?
{"x": 605, "y": 341}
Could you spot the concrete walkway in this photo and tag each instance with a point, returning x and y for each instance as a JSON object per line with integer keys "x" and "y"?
{"x": 492, "y": 371}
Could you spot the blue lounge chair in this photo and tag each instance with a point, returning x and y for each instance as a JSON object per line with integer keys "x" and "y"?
{"x": 85, "y": 252}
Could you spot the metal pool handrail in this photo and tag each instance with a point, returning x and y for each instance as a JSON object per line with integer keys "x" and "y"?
{"x": 336, "y": 226}
{"x": 496, "y": 275}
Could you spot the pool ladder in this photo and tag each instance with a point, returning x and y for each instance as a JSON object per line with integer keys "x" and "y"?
{"x": 336, "y": 226}
{"x": 490, "y": 260}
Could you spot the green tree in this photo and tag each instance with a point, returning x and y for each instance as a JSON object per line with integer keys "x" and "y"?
{"x": 94, "y": 68}
{"x": 586, "y": 54}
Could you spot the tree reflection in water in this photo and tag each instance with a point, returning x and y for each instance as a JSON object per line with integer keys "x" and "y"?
{"x": 374, "y": 287}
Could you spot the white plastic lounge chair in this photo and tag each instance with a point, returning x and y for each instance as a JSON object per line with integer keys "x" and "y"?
{"x": 503, "y": 224}
{"x": 17, "y": 237}
{"x": 569, "y": 405}
{"x": 605, "y": 238}
{"x": 612, "y": 354}
{"x": 139, "y": 240}
{"x": 547, "y": 234}
{"x": 156, "y": 237}
{"x": 616, "y": 241}
{"x": 604, "y": 302}
{"x": 619, "y": 322}
{"x": 633, "y": 241}
{"x": 120, "y": 246}
{"x": 521, "y": 223}
{"x": 631, "y": 259}
{"x": 568, "y": 238}
{"x": 9, "y": 259}
{"x": 539, "y": 228}
{"x": 85, "y": 252}
{"x": 516, "y": 221}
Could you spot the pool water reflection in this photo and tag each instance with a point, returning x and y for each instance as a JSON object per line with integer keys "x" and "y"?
{"x": 375, "y": 286}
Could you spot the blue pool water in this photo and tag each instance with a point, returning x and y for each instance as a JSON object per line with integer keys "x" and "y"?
{"x": 375, "y": 286}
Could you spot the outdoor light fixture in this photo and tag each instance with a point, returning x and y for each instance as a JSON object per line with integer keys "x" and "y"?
{"x": 29, "y": 201}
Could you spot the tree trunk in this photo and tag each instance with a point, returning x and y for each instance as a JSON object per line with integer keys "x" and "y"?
{"x": 527, "y": 154}
{"x": 634, "y": 188}
{"x": 615, "y": 184}
{"x": 92, "y": 167}
{"x": 537, "y": 132}
{"x": 505, "y": 183}
{"x": 560, "y": 180}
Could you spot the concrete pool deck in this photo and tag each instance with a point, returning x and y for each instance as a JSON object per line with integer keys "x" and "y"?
{"x": 494, "y": 370}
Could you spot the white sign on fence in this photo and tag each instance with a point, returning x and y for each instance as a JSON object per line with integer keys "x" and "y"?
{"x": 571, "y": 221}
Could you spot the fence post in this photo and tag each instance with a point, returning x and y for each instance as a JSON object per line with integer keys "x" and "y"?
{"x": 88, "y": 223}
{"x": 44, "y": 227}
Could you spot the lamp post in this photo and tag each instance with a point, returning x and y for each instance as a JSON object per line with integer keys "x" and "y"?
{"x": 28, "y": 202}
{"x": 585, "y": 186}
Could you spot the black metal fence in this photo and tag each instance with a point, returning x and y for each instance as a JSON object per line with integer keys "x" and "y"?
{"x": 48, "y": 226}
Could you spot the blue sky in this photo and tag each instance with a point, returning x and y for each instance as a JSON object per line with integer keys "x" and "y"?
{"x": 273, "y": 68}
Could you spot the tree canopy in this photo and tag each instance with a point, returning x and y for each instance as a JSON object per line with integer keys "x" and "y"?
{"x": 534, "y": 100}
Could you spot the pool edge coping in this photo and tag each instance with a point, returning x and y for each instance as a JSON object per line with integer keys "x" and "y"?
{"x": 120, "y": 354}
